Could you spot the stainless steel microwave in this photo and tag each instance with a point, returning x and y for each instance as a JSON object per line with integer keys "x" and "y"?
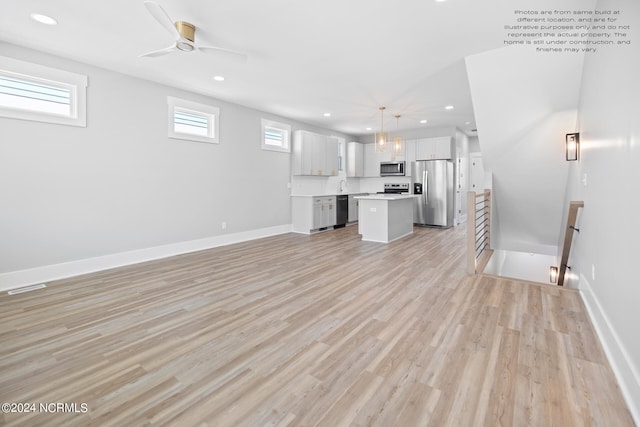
{"x": 392, "y": 169}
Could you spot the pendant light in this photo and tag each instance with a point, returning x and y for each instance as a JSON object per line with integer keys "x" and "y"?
{"x": 397, "y": 147}
{"x": 381, "y": 138}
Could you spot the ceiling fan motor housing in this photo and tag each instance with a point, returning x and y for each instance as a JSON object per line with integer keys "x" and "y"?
{"x": 186, "y": 29}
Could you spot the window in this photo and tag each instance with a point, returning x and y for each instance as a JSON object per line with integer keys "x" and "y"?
{"x": 35, "y": 92}
{"x": 192, "y": 121}
{"x": 275, "y": 136}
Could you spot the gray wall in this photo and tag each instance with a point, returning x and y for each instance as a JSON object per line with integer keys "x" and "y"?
{"x": 604, "y": 257}
{"x": 121, "y": 184}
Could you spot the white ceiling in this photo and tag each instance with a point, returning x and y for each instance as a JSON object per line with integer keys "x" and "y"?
{"x": 305, "y": 58}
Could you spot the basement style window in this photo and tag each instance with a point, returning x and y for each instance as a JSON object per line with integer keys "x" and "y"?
{"x": 35, "y": 92}
{"x": 275, "y": 136}
{"x": 192, "y": 121}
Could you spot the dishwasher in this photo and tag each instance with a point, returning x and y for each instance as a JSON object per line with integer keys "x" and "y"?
{"x": 342, "y": 211}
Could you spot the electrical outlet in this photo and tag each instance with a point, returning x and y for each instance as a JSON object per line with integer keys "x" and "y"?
{"x": 223, "y": 225}
{"x": 593, "y": 272}
{"x": 373, "y": 210}
{"x": 584, "y": 180}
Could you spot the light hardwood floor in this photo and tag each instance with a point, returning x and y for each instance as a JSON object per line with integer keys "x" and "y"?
{"x": 307, "y": 330}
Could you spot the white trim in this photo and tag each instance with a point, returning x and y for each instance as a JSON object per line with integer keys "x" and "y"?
{"x": 76, "y": 83}
{"x": 211, "y": 111}
{"x": 621, "y": 363}
{"x": 16, "y": 279}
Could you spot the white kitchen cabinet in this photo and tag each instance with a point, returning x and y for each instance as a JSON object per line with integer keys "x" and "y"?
{"x": 433, "y": 148}
{"x": 331, "y": 156}
{"x": 387, "y": 155}
{"x": 312, "y": 213}
{"x": 329, "y": 217}
{"x": 314, "y": 154}
{"x": 410, "y": 155}
{"x": 317, "y": 214}
{"x": 355, "y": 159}
{"x": 371, "y": 161}
{"x": 353, "y": 207}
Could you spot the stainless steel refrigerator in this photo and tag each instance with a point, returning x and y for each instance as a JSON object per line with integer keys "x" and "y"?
{"x": 432, "y": 180}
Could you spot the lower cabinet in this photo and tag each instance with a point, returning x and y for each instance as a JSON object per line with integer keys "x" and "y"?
{"x": 312, "y": 213}
{"x": 353, "y": 207}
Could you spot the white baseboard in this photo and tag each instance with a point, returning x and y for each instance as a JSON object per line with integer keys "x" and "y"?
{"x": 47, "y": 273}
{"x": 625, "y": 371}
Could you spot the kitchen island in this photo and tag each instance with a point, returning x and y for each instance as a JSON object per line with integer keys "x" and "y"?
{"x": 385, "y": 217}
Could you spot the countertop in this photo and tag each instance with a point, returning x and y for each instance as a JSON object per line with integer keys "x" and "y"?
{"x": 355, "y": 193}
{"x": 387, "y": 196}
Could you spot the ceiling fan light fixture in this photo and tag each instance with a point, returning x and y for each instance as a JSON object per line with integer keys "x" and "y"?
{"x": 184, "y": 34}
{"x": 184, "y": 46}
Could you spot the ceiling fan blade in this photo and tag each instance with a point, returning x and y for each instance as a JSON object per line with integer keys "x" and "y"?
{"x": 238, "y": 56}
{"x": 159, "y": 52}
{"x": 161, "y": 16}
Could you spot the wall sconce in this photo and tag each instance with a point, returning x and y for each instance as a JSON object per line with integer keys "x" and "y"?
{"x": 573, "y": 146}
{"x": 553, "y": 274}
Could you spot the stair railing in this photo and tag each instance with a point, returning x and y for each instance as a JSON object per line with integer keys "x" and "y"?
{"x": 568, "y": 238}
{"x": 478, "y": 230}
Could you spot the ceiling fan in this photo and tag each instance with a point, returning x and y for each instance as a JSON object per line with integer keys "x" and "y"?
{"x": 184, "y": 32}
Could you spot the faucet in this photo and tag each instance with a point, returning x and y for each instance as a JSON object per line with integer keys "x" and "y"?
{"x": 342, "y": 185}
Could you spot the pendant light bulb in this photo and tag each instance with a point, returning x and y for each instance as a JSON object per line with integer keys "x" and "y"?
{"x": 398, "y": 143}
{"x": 381, "y": 140}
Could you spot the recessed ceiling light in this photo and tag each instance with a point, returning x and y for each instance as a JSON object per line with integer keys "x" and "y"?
{"x": 423, "y": 121}
{"x": 218, "y": 78}
{"x": 440, "y": 1}
{"x": 327, "y": 114}
{"x": 449, "y": 107}
{"x": 43, "y": 19}
{"x": 369, "y": 128}
{"x": 467, "y": 123}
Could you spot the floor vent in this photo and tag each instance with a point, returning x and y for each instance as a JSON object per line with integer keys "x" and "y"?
{"x": 26, "y": 289}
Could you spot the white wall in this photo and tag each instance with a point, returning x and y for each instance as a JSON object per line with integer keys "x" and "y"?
{"x": 121, "y": 184}
{"x": 524, "y": 103}
{"x": 461, "y": 174}
{"x": 609, "y": 238}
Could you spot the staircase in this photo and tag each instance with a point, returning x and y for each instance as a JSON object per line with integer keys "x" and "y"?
{"x": 524, "y": 105}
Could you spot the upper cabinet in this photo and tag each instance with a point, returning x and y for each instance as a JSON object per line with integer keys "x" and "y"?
{"x": 410, "y": 155}
{"x": 314, "y": 154}
{"x": 433, "y": 148}
{"x": 371, "y": 161}
{"x": 355, "y": 159}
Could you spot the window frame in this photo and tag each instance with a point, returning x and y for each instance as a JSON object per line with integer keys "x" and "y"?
{"x": 182, "y": 105}
{"x": 29, "y": 72}
{"x": 286, "y": 146}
